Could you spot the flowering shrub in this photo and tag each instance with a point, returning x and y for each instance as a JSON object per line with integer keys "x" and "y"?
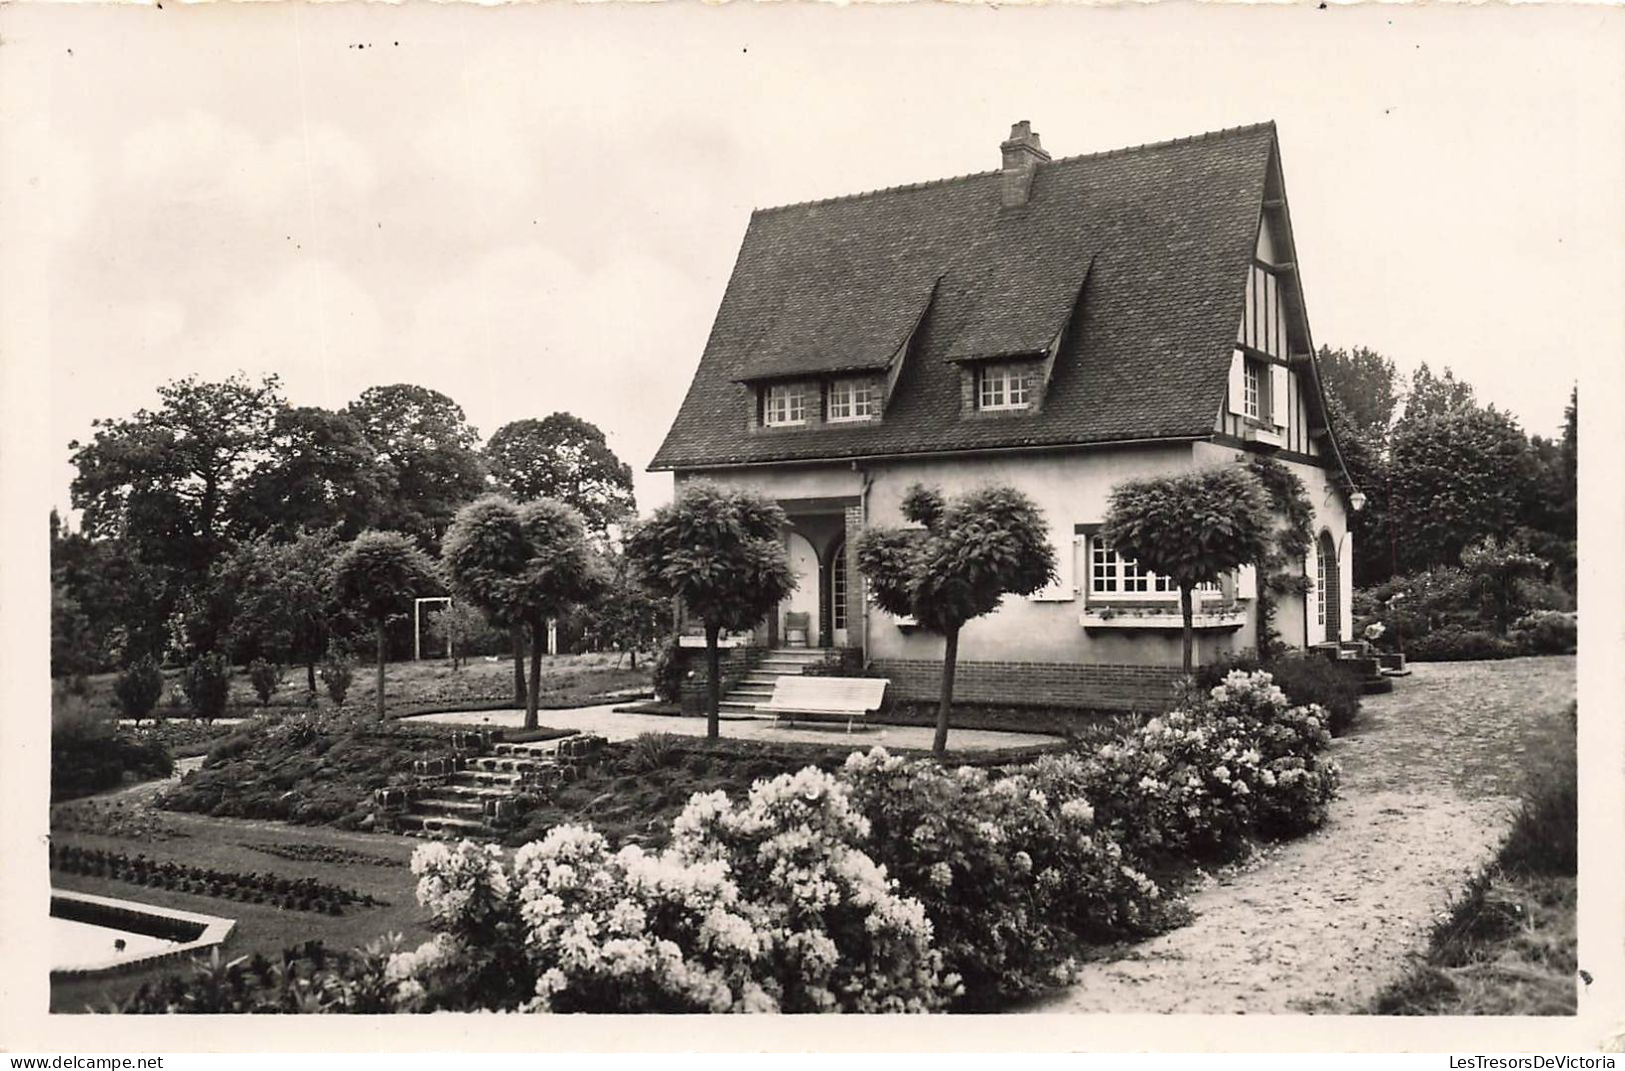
{"x": 768, "y": 905}
{"x": 1236, "y": 761}
{"x": 1007, "y": 874}
{"x": 848, "y": 940}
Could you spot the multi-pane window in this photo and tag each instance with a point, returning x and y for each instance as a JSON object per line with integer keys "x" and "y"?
{"x": 1002, "y": 386}
{"x": 851, "y": 399}
{"x": 784, "y": 403}
{"x": 837, "y": 588}
{"x": 1112, "y": 574}
{"x": 1252, "y": 388}
{"x": 1320, "y": 587}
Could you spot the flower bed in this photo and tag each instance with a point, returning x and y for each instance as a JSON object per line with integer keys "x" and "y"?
{"x": 294, "y": 894}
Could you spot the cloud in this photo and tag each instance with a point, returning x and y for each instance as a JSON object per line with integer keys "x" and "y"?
{"x": 198, "y": 159}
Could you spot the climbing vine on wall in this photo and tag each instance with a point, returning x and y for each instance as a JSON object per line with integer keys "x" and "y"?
{"x": 1277, "y": 572}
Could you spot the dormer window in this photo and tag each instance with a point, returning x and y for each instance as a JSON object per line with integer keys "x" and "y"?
{"x": 784, "y": 405}
{"x": 1002, "y": 386}
{"x": 850, "y": 399}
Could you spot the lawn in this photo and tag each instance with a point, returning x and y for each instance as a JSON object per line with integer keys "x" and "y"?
{"x": 416, "y": 687}
{"x": 1509, "y": 947}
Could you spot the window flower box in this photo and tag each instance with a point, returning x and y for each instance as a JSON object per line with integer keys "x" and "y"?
{"x": 1210, "y": 617}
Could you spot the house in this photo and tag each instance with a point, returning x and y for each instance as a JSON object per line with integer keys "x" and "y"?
{"x": 1058, "y": 325}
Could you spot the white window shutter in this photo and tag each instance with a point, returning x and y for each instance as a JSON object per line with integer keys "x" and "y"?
{"x": 1062, "y": 589}
{"x": 1278, "y": 394}
{"x": 1247, "y": 582}
{"x": 1238, "y": 390}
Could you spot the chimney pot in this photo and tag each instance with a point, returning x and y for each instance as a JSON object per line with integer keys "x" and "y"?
{"x": 1021, "y": 155}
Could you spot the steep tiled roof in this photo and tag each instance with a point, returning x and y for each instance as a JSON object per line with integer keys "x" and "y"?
{"x": 1160, "y": 237}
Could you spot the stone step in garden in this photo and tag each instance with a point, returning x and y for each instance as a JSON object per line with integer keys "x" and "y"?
{"x": 450, "y": 806}
{"x": 472, "y": 789}
{"x": 784, "y": 667}
{"x": 486, "y": 778}
{"x": 443, "y": 825}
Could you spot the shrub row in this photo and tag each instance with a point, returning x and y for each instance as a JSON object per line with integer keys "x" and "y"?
{"x": 1010, "y": 871}
{"x": 1490, "y": 607}
{"x": 297, "y": 894}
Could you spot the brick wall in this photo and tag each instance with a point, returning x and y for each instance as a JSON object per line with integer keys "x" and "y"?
{"x": 854, "y": 578}
{"x": 1097, "y": 687}
{"x": 734, "y": 662}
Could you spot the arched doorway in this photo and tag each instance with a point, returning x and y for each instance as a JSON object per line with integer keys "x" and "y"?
{"x": 1328, "y": 589}
{"x": 806, "y": 597}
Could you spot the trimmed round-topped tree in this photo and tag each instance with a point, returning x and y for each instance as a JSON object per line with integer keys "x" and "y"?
{"x": 721, "y": 551}
{"x": 378, "y": 575}
{"x": 971, "y": 552}
{"x": 1192, "y": 527}
{"x": 522, "y": 565}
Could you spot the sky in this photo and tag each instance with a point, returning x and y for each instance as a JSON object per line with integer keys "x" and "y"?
{"x": 535, "y": 209}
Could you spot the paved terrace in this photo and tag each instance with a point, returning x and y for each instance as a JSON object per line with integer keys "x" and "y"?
{"x": 605, "y": 721}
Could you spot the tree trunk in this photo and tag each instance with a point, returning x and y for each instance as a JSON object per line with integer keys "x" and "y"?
{"x": 538, "y": 633}
{"x": 1190, "y": 632}
{"x": 632, "y": 658}
{"x": 517, "y": 635}
{"x": 310, "y": 675}
{"x": 713, "y": 683}
{"x": 380, "y": 670}
{"x": 950, "y": 662}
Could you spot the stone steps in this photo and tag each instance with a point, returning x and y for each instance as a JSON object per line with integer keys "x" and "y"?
{"x": 757, "y": 685}
{"x": 478, "y": 794}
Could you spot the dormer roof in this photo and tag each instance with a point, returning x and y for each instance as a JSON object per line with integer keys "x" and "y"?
{"x": 1136, "y": 259}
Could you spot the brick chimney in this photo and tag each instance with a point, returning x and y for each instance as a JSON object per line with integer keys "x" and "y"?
{"x": 1022, "y": 155}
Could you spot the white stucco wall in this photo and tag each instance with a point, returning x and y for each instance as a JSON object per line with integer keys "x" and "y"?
{"x": 1293, "y": 616}
{"x": 787, "y": 481}
{"x": 1071, "y": 488}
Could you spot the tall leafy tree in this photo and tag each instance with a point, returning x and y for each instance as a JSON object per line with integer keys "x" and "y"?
{"x": 523, "y": 564}
{"x": 319, "y": 472}
{"x": 167, "y": 479}
{"x": 972, "y": 551}
{"x": 1365, "y": 385}
{"x": 1437, "y": 395}
{"x": 1192, "y": 527}
{"x": 563, "y": 457}
{"x": 429, "y": 449}
{"x": 125, "y": 598}
{"x": 377, "y": 576}
{"x": 280, "y": 598}
{"x": 721, "y": 551}
{"x": 1457, "y": 474}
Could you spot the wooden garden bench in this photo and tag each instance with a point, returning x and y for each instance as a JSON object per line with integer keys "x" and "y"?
{"x": 825, "y": 698}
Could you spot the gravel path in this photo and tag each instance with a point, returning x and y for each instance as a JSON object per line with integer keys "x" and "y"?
{"x": 1321, "y": 924}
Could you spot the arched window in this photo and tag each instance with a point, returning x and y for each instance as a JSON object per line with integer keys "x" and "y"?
{"x": 1320, "y": 585}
